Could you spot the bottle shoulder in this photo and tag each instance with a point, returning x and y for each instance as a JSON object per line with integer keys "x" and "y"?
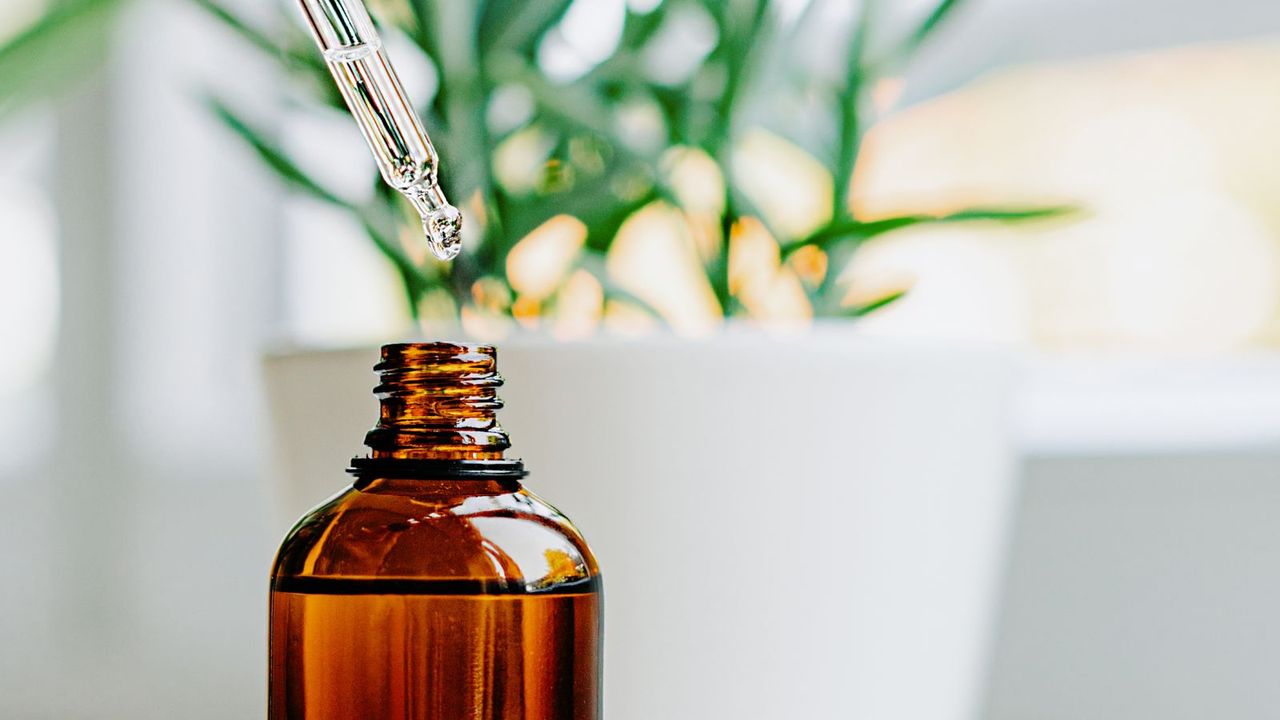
{"x": 503, "y": 537}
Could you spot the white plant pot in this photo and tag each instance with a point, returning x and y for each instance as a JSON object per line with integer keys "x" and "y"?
{"x": 807, "y": 528}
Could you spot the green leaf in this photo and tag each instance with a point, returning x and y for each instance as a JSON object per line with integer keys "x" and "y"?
{"x": 595, "y": 204}
{"x": 517, "y": 25}
{"x": 415, "y": 283}
{"x": 372, "y": 221}
{"x": 273, "y": 155}
{"x": 424, "y": 28}
{"x": 840, "y": 231}
{"x": 66, "y": 44}
{"x": 1007, "y": 214}
{"x": 448, "y": 33}
{"x": 940, "y": 12}
{"x": 742, "y": 25}
{"x": 638, "y": 28}
{"x": 868, "y": 308}
{"x": 291, "y": 48}
{"x": 295, "y": 57}
{"x": 604, "y": 219}
{"x": 850, "y": 122}
{"x": 922, "y": 32}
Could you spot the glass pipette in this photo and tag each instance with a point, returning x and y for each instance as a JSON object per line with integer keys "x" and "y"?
{"x": 369, "y": 85}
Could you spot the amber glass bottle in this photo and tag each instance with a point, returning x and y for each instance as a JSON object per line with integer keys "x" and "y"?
{"x": 435, "y": 587}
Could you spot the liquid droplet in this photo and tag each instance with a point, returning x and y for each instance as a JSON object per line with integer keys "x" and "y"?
{"x": 443, "y": 226}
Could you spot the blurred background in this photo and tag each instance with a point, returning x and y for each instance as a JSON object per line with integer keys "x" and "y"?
{"x": 1089, "y": 184}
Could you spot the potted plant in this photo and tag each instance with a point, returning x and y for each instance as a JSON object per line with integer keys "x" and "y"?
{"x": 792, "y": 518}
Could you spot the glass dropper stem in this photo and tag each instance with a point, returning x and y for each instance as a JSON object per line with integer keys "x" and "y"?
{"x": 373, "y": 93}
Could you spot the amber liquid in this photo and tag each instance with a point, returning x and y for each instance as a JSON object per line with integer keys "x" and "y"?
{"x": 432, "y": 650}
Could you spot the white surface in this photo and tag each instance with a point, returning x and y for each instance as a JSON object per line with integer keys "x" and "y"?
{"x": 1142, "y": 588}
{"x": 810, "y": 529}
{"x": 1149, "y": 404}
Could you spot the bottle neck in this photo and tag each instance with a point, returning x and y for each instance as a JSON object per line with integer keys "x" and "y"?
{"x": 438, "y": 402}
{"x": 438, "y": 489}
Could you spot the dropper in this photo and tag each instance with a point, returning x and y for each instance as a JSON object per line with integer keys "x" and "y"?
{"x": 369, "y": 85}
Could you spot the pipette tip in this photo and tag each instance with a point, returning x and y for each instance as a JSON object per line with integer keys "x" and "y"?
{"x": 444, "y": 231}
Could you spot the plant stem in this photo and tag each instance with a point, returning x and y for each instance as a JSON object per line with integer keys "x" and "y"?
{"x": 738, "y": 50}
{"x": 850, "y": 120}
